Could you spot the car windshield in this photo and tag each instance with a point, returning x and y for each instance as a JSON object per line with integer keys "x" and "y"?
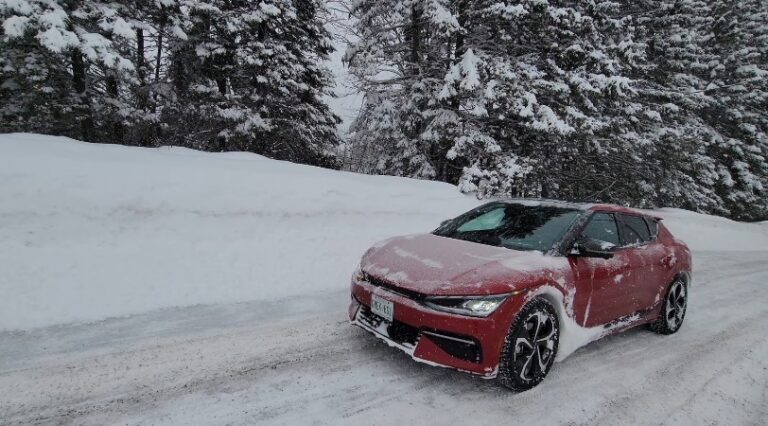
{"x": 514, "y": 226}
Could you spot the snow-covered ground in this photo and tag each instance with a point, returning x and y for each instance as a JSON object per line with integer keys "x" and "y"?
{"x": 95, "y": 231}
{"x": 167, "y": 285}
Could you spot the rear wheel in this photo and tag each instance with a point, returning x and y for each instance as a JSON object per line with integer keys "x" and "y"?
{"x": 673, "y": 311}
{"x": 530, "y": 347}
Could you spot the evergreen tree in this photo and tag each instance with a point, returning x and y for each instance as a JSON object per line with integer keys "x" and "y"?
{"x": 248, "y": 77}
{"x": 703, "y": 70}
{"x": 648, "y": 103}
{"x": 213, "y": 75}
{"x": 60, "y": 66}
{"x": 736, "y": 111}
{"x": 400, "y": 62}
{"x": 523, "y": 96}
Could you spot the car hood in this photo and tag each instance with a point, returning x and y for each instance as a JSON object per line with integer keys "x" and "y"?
{"x": 434, "y": 265}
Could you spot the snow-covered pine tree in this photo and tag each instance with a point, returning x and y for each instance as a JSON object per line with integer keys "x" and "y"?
{"x": 213, "y": 75}
{"x": 667, "y": 33}
{"x": 249, "y": 76}
{"x": 556, "y": 99}
{"x": 701, "y": 71}
{"x": 158, "y": 25}
{"x": 649, "y": 102}
{"x": 399, "y": 61}
{"x": 737, "y": 109}
{"x": 523, "y": 95}
{"x": 61, "y": 69}
{"x": 35, "y": 86}
{"x": 107, "y": 49}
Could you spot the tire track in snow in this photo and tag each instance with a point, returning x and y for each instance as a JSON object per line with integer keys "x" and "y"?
{"x": 667, "y": 378}
{"x": 207, "y": 372}
{"x": 317, "y": 367}
{"x": 701, "y": 356}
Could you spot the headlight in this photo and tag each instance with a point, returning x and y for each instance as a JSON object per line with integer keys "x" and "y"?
{"x": 475, "y": 306}
{"x": 358, "y": 275}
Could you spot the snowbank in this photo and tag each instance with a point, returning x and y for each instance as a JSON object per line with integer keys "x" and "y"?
{"x": 94, "y": 231}
{"x": 703, "y": 232}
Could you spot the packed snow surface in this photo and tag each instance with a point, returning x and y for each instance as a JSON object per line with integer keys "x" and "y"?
{"x": 172, "y": 286}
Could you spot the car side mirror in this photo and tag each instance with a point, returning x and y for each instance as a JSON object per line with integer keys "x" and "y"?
{"x": 443, "y": 223}
{"x": 590, "y": 247}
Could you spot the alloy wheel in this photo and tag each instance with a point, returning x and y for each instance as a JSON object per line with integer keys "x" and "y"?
{"x": 677, "y": 299}
{"x": 534, "y": 346}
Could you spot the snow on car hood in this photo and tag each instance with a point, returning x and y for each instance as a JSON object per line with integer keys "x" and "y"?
{"x": 435, "y": 265}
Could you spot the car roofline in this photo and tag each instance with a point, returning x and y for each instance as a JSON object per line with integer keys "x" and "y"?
{"x": 577, "y": 205}
{"x": 621, "y": 209}
{"x": 548, "y": 202}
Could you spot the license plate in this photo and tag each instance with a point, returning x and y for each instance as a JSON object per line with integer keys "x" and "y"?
{"x": 382, "y": 307}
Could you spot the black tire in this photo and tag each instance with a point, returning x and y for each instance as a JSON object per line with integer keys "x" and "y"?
{"x": 673, "y": 308}
{"x": 530, "y": 346}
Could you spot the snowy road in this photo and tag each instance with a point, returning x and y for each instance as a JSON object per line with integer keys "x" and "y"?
{"x": 299, "y": 362}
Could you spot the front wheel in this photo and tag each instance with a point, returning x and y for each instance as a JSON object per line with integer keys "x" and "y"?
{"x": 673, "y": 311}
{"x": 530, "y": 347}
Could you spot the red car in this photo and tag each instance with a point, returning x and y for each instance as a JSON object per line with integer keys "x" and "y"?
{"x": 500, "y": 289}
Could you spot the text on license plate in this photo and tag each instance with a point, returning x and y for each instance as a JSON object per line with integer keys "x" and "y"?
{"x": 382, "y": 307}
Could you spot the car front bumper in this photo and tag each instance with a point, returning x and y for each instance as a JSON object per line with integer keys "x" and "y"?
{"x": 469, "y": 344}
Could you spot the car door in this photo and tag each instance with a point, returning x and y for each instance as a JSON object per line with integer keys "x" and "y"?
{"x": 646, "y": 255}
{"x": 601, "y": 280}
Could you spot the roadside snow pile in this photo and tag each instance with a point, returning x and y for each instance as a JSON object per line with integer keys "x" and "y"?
{"x": 94, "y": 231}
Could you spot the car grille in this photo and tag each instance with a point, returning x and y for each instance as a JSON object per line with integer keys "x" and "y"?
{"x": 462, "y": 347}
{"x": 395, "y": 330}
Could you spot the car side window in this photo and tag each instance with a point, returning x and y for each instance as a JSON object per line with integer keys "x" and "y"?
{"x": 634, "y": 229}
{"x": 602, "y": 227}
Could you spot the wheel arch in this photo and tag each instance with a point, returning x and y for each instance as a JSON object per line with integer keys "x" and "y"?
{"x": 552, "y": 294}
{"x": 684, "y": 275}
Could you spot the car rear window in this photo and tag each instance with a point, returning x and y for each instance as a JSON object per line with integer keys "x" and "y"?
{"x": 653, "y": 227}
{"x": 634, "y": 229}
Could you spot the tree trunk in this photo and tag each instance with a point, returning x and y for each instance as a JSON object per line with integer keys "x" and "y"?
{"x": 141, "y": 70}
{"x": 415, "y": 39}
{"x": 79, "y": 86}
{"x": 140, "y": 61}
{"x": 460, "y": 38}
{"x": 159, "y": 57}
{"x": 142, "y": 94}
{"x": 118, "y": 131}
{"x": 78, "y": 72}
{"x": 158, "y": 60}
